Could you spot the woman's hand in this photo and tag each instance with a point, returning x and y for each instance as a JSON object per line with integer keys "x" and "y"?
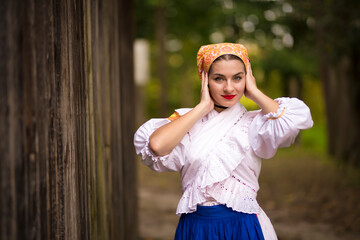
{"x": 250, "y": 84}
{"x": 206, "y": 101}
{"x": 164, "y": 139}
{"x": 252, "y": 92}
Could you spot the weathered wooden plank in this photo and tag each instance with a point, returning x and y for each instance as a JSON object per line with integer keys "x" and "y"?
{"x": 127, "y": 113}
{"x": 67, "y": 168}
{"x": 9, "y": 121}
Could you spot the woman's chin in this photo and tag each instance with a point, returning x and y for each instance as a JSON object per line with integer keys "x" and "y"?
{"x": 228, "y": 103}
{"x": 225, "y": 104}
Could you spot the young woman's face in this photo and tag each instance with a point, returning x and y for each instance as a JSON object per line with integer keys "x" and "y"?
{"x": 227, "y": 82}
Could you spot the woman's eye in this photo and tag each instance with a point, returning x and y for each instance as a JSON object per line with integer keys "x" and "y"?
{"x": 218, "y": 79}
{"x": 237, "y": 78}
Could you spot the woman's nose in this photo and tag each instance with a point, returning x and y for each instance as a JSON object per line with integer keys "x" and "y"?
{"x": 228, "y": 87}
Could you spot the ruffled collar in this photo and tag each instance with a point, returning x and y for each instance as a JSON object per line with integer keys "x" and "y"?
{"x": 238, "y": 107}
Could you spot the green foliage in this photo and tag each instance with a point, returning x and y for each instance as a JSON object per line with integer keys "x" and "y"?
{"x": 315, "y": 138}
{"x": 313, "y": 96}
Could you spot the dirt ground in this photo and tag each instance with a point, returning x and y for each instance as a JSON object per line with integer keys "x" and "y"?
{"x": 304, "y": 194}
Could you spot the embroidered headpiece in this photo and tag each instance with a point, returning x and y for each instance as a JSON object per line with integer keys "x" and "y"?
{"x": 208, "y": 53}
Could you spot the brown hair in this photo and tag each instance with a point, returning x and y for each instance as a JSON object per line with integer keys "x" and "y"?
{"x": 226, "y": 57}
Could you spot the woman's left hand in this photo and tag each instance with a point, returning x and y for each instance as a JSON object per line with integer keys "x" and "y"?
{"x": 250, "y": 83}
{"x": 252, "y": 92}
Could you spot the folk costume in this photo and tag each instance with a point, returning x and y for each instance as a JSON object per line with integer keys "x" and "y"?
{"x": 219, "y": 160}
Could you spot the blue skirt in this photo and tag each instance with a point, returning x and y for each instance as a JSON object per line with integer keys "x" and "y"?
{"x": 218, "y": 222}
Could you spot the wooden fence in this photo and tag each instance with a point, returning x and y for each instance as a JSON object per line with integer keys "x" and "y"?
{"x": 67, "y": 169}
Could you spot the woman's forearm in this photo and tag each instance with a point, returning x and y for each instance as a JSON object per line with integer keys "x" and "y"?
{"x": 264, "y": 102}
{"x": 252, "y": 92}
{"x": 164, "y": 139}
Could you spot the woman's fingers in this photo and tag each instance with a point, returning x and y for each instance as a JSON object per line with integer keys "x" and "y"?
{"x": 203, "y": 81}
{"x": 205, "y": 93}
{"x": 250, "y": 83}
{"x": 249, "y": 73}
{"x": 249, "y": 70}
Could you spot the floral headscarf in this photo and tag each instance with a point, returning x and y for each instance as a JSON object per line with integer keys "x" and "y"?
{"x": 208, "y": 53}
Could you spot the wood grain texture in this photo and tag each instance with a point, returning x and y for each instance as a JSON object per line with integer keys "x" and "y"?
{"x": 66, "y": 120}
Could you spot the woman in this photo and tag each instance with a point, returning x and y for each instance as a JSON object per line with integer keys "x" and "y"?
{"x": 217, "y": 147}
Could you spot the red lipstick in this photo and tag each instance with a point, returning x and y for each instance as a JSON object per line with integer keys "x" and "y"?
{"x": 228, "y": 96}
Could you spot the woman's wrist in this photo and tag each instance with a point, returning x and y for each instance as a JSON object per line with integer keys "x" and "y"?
{"x": 264, "y": 102}
{"x": 254, "y": 94}
{"x": 204, "y": 108}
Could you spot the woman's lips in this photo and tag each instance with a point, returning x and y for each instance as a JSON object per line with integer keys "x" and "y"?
{"x": 228, "y": 96}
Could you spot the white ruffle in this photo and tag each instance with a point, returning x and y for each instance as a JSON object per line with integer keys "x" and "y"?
{"x": 235, "y": 194}
{"x": 142, "y": 136}
{"x": 147, "y": 154}
{"x": 169, "y": 162}
{"x": 215, "y": 176}
{"x": 274, "y": 115}
{"x": 273, "y": 130}
{"x": 192, "y": 196}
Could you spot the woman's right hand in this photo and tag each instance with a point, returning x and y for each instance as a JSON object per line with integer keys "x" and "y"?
{"x": 206, "y": 101}
{"x": 163, "y": 140}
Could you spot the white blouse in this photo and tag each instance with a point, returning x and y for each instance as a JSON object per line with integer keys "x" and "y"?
{"x": 220, "y": 157}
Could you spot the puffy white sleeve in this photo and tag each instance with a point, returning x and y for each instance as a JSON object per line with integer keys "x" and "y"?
{"x": 171, "y": 162}
{"x": 271, "y": 131}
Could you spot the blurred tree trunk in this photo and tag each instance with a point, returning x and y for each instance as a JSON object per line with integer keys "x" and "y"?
{"x": 338, "y": 37}
{"x": 292, "y": 85}
{"x": 161, "y": 57}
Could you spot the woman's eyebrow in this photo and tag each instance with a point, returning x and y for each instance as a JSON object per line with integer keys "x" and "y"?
{"x": 239, "y": 73}
{"x": 219, "y": 74}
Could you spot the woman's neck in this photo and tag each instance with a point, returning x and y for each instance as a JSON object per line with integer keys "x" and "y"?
{"x": 219, "y": 108}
